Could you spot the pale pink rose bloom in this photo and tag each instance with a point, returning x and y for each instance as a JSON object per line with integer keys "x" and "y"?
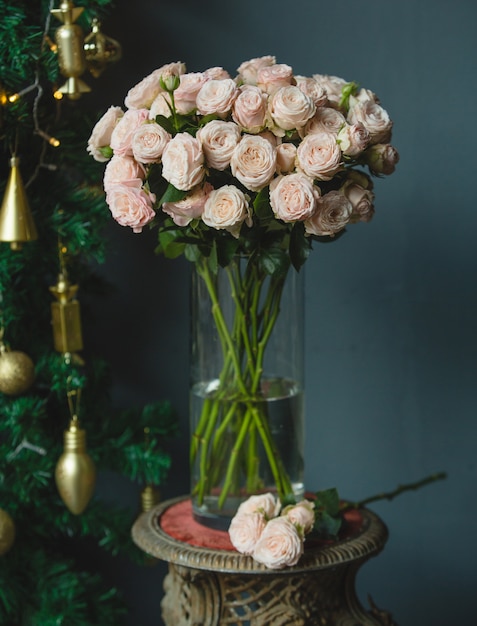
{"x": 271, "y": 78}
{"x": 319, "y": 156}
{"x": 246, "y": 530}
{"x": 189, "y": 208}
{"x": 293, "y": 197}
{"x": 101, "y": 134}
{"x": 325, "y": 119}
{"x": 333, "y": 86}
{"x": 353, "y": 139}
{"x": 227, "y": 208}
{"x": 217, "y": 96}
{"x": 160, "y": 106}
{"x": 123, "y": 171}
{"x": 216, "y": 73}
{"x": 332, "y": 214}
{"x": 280, "y": 544}
{"x": 142, "y": 95}
{"x": 253, "y": 162}
{"x": 290, "y": 108}
{"x": 272, "y": 139}
{"x": 373, "y": 117}
{"x": 265, "y": 503}
{"x": 131, "y": 206}
{"x": 121, "y": 137}
{"x": 313, "y": 89}
{"x": 250, "y": 108}
{"x": 286, "y": 157}
{"x": 185, "y": 95}
{"x": 356, "y": 190}
{"x": 366, "y": 94}
{"x": 218, "y": 140}
{"x": 382, "y": 158}
{"x": 247, "y": 71}
{"x": 183, "y": 162}
{"x": 148, "y": 142}
{"x": 302, "y": 515}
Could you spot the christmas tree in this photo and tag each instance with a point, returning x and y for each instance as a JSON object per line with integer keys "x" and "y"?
{"x": 58, "y": 428}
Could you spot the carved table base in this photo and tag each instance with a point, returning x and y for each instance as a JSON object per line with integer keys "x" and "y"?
{"x": 211, "y": 587}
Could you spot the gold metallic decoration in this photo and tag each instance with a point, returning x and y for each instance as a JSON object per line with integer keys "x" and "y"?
{"x": 65, "y": 313}
{"x": 17, "y": 370}
{"x": 100, "y": 50}
{"x": 7, "y": 532}
{"x": 75, "y": 472}
{"x": 150, "y": 496}
{"x": 71, "y": 54}
{"x": 16, "y": 221}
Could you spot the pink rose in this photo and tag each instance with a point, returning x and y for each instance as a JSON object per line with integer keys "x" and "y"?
{"x": 325, "y": 119}
{"x": 273, "y": 77}
{"x": 142, "y": 95}
{"x": 280, "y": 544}
{"x": 131, "y": 206}
{"x": 189, "y": 208}
{"x": 121, "y": 137}
{"x": 353, "y": 139}
{"x": 290, "y": 108}
{"x": 247, "y": 71}
{"x": 250, "y": 108}
{"x": 253, "y": 162}
{"x": 382, "y": 158}
{"x": 265, "y": 503}
{"x": 216, "y": 73}
{"x": 148, "y": 142}
{"x": 333, "y": 86}
{"x": 302, "y": 515}
{"x": 160, "y": 106}
{"x": 217, "y": 96}
{"x": 293, "y": 197}
{"x": 332, "y": 214}
{"x": 123, "y": 171}
{"x": 101, "y": 134}
{"x": 185, "y": 95}
{"x": 227, "y": 208}
{"x": 358, "y": 190}
{"x": 373, "y": 117}
{"x": 286, "y": 156}
{"x": 218, "y": 140}
{"x": 245, "y": 531}
{"x": 313, "y": 89}
{"x": 183, "y": 162}
{"x": 319, "y": 156}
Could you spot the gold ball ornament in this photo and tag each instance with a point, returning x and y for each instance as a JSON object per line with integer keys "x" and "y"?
{"x": 17, "y": 371}
{"x": 7, "y": 532}
{"x": 75, "y": 472}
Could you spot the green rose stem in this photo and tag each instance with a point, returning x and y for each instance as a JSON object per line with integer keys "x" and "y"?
{"x": 237, "y": 347}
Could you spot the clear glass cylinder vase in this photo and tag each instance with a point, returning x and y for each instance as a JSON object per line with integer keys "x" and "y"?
{"x": 247, "y": 395}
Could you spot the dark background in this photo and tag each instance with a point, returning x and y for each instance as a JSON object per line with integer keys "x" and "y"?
{"x": 390, "y": 308}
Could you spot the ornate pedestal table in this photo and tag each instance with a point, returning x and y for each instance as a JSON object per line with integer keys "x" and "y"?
{"x": 210, "y": 584}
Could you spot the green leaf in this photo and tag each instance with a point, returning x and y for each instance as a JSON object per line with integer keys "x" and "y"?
{"x": 106, "y": 151}
{"x": 166, "y": 123}
{"x": 226, "y": 250}
{"x": 168, "y": 244}
{"x": 329, "y": 500}
{"x": 261, "y": 205}
{"x": 213, "y": 259}
{"x": 327, "y": 525}
{"x": 300, "y": 245}
{"x": 192, "y": 252}
{"x": 172, "y": 194}
{"x": 274, "y": 261}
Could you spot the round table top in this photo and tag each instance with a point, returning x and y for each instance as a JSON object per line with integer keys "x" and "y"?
{"x": 169, "y": 532}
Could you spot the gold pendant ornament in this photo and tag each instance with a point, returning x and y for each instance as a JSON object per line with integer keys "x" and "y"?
{"x": 16, "y": 221}
{"x": 7, "y": 532}
{"x": 75, "y": 472}
{"x": 71, "y": 55}
{"x": 66, "y": 317}
{"x": 150, "y": 496}
{"x": 17, "y": 370}
{"x": 100, "y": 50}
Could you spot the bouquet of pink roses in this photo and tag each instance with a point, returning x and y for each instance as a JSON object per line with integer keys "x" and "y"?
{"x": 255, "y": 167}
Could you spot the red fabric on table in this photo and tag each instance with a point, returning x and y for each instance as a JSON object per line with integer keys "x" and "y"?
{"x": 178, "y": 522}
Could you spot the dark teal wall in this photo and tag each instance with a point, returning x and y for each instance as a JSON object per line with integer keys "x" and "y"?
{"x": 391, "y": 307}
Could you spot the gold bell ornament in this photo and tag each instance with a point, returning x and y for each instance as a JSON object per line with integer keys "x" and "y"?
{"x": 16, "y": 222}
{"x": 66, "y": 314}
{"x": 71, "y": 54}
{"x": 75, "y": 472}
{"x": 150, "y": 496}
{"x": 17, "y": 370}
{"x": 7, "y": 532}
{"x": 100, "y": 50}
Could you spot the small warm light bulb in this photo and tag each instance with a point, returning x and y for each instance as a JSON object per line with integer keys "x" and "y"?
{"x": 53, "y": 141}
{"x": 57, "y": 95}
{"x": 13, "y": 98}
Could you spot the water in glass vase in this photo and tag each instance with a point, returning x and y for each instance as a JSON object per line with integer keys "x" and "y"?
{"x": 242, "y": 446}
